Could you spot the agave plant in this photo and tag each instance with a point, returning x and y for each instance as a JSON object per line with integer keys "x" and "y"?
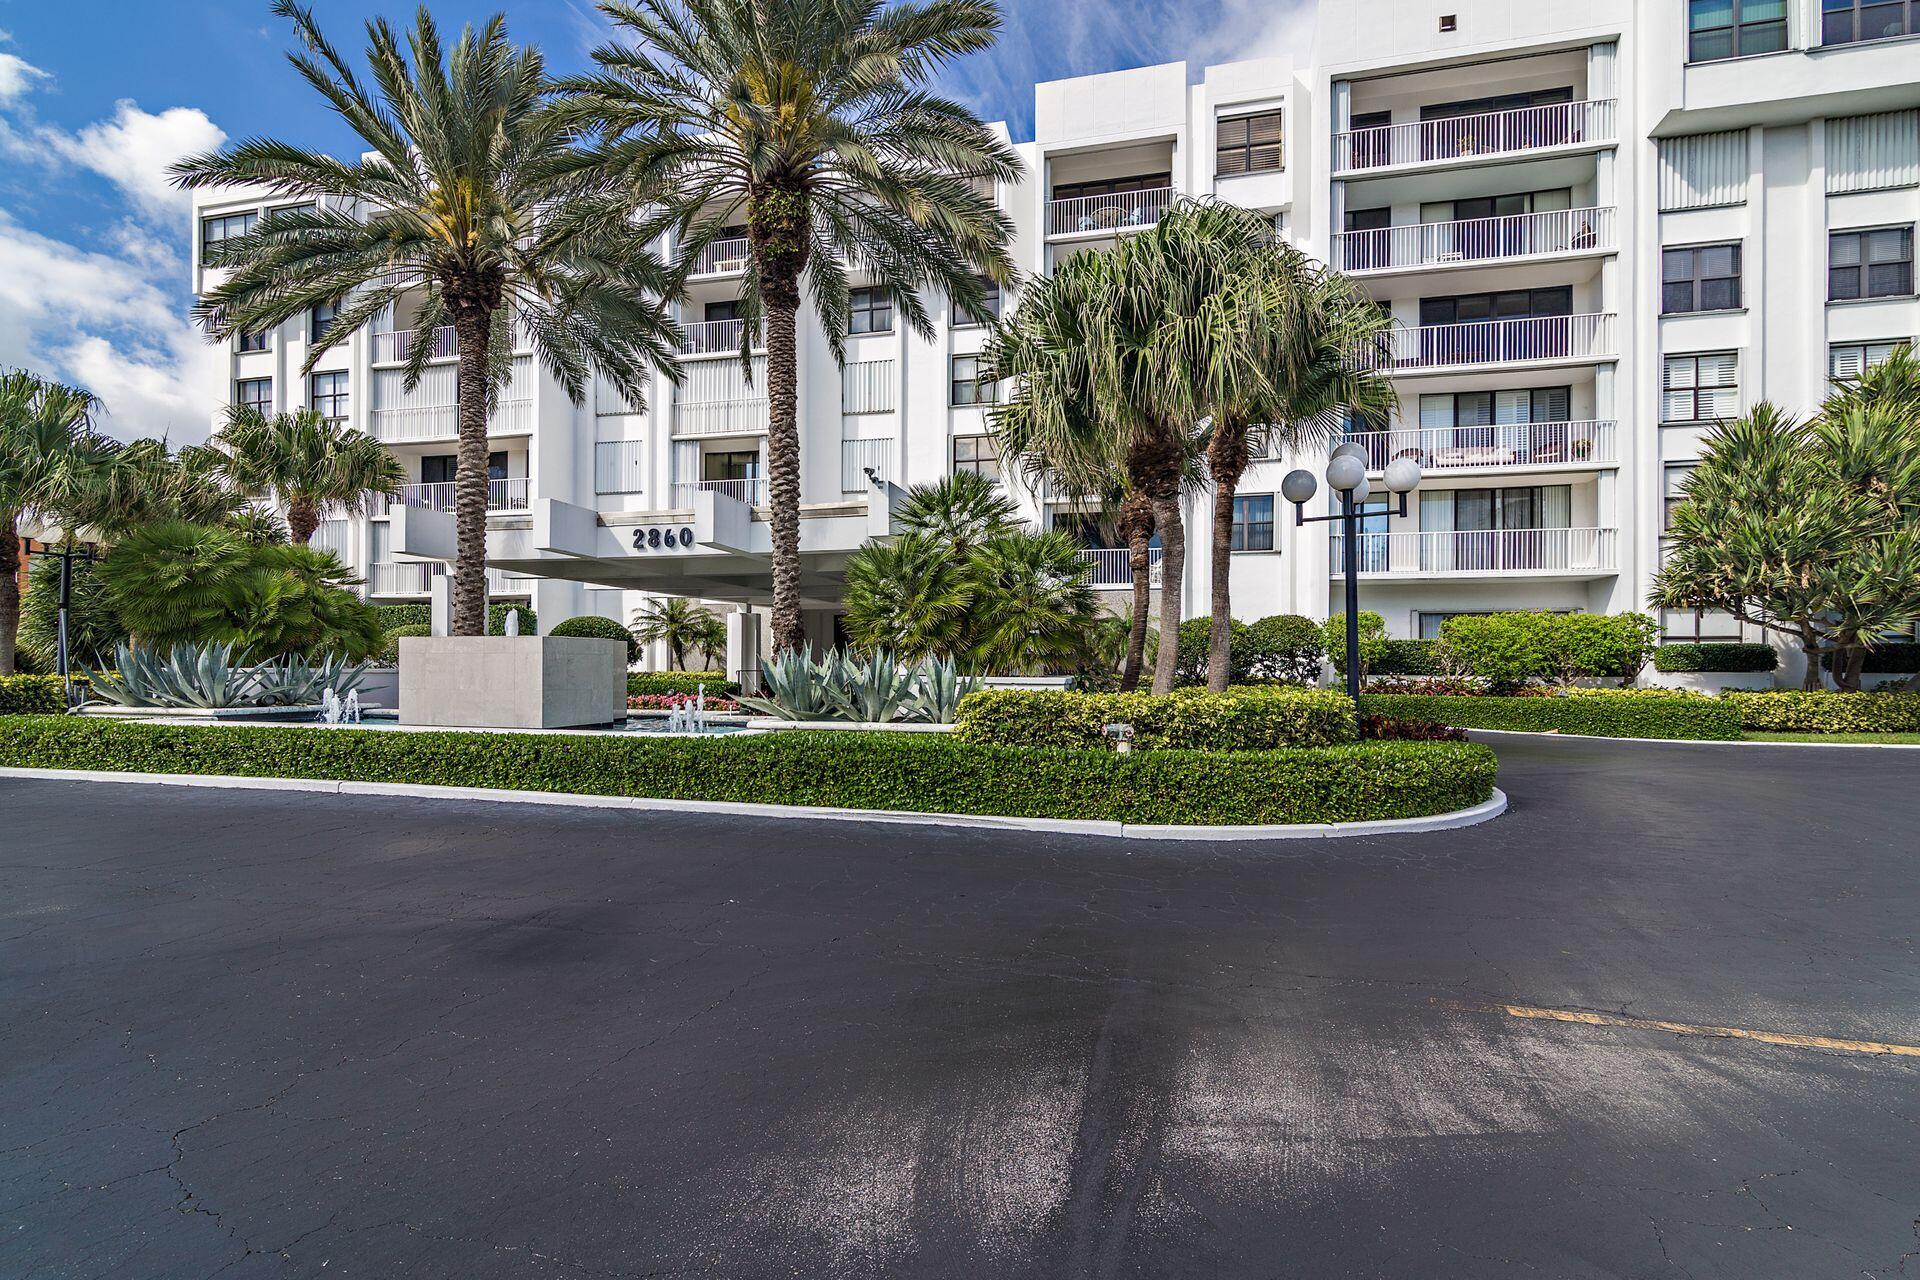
{"x": 295, "y": 682}
{"x": 187, "y": 675}
{"x": 875, "y": 692}
{"x": 879, "y": 690}
{"x": 938, "y": 688}
{"x": 799, "y": 687}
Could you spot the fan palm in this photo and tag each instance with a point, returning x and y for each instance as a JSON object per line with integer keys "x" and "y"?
{"x": 459, "y": 205}
{"x": 144, "y": 482}
{"x": 311, "y": 465}
{"x": 682, "y": 625}
{"x": 1035, "y": 608}
{"x": 962, "y": 511}
{"x": 910, "y": 597}
{"x": 811, "y": 121}
{"x": 49, "y": 455}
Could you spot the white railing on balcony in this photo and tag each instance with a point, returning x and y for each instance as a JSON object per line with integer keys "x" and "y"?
{"x": 502, "y": 495}
{"x": 412, "y": 578}
{"x": 1476, "y": 552}
{"x": 410, "y": 423}
{"x": 722, "y": 257}
{"x": 714, "y": 337}
{"x": 1113, "y": 566}
{"x": 1511, "y": 444}
{"x": 1517, "y": 235}
{"x": 752, "y": 491}
{"x": 857, "y": 457}
{"x": 1485, "y": 342}
{"x": 1123, "y": 211}
{"x": 396, "y": 347}
{"x": 1468, "y": 138}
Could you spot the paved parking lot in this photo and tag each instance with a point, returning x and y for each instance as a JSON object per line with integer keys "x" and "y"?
{"x": 253, "y": 1034}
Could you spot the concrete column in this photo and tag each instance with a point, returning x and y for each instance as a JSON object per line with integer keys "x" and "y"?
{"x": 743, "y": 648}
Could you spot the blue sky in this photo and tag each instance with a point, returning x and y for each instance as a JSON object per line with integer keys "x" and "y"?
{"x": 97, "y": 97}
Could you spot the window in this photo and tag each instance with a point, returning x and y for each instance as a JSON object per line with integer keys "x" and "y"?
{"x": 215, "y": 232}
{"x": 734, "y": 464}
{"x": 1848, "y": 21}
{"x": 1847, "y": 361}
{"x": 963, "y": 317}
{"x": 444, "y": 468}
{"x": 1719, "y": 29}
{"x": 977, "y": 454}
{"x": 252, "y": 341}
{"x": 1703, "y": 278}
{"x": 1702, "y": 388}
{"x": 967, "y": 389}
{"x": 321, "y": 319}
{"x": 1673, "y": 491}
{"x": 1113, "y": 186}
{"x": 1248, "y": 144}
{"x": 254, "y": 393}
{"x": 1253, "y": 522}
{"x": 328, "y": 394}
{"x": 1515, "y": 304}
{"x": 1491, "y": 510}
{"x": 1692, "y": 626}
{"x": 1870, "y": 264}
{"x": 871, "y": 311}
{"x": 1429, "y": 624}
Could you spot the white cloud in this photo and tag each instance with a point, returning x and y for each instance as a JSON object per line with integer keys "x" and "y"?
{"x": 135, "y": 149}
{"x": 17, "y": 75}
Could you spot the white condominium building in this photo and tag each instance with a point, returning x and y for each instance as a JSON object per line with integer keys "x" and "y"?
{"x": 1599, "y": 226}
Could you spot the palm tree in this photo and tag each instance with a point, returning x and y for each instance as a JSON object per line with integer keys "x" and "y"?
{"x": 311, "y": 465}
{"x": 49, "y": 455}
{"x": 682, "y": 624}
{"x": 1035, "y": 610}
{"x": 911, "y": 596}
{"x": 460, "y": 204}
{"x": 961, "y": 511}
{"x": 811, "y": 121}
{"x": 145, "y": 482}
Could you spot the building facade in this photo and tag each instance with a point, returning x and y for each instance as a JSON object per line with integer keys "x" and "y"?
{"x": 1598, "y": 226}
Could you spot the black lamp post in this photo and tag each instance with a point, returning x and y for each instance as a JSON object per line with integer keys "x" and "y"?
{"x": 1347, "y": 476}
{"x": 66, "y": 553}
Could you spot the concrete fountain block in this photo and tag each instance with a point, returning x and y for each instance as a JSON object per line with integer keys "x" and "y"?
{"x": 512, "y": 682}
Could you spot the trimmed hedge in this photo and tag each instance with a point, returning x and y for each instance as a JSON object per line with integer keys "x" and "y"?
{"x": 593, "y": 627}
{"x": 924, "y": 772}
{"x": 640, "y": 684}
{"x": 1618, "y": 714}
{"x": 1715, "y": 657}
{"x": 1899, "y": 658}
{"x": 1243, "y": 719}
{"x": 415, "y": 613}
{"x": 390, "y": 647}
{"x": 1408, "y": 658}
{"x": 32, "y": 696}
{"x": 1798, "y": 711}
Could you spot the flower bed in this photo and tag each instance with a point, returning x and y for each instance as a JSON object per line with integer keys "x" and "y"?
{"x": 669, "y": 701}
{"x": 903, "y": 772}
{"x": 1241, "y": 719}
{"x": 1608, "y": 713}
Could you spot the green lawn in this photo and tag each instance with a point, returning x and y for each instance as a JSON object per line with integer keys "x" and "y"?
{"x": 1879, "y": 739}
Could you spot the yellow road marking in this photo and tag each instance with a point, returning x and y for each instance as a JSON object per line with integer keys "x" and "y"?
{"x": 1585, "y": 1018}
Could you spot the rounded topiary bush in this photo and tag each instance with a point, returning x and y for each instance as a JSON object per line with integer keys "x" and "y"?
{"x": 594, "y": 627}
{"x": 390, "y": 648}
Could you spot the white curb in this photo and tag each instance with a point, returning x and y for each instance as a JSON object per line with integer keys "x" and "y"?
{"x": 1697, "y": 742}
{"x": 1479, "y": 813}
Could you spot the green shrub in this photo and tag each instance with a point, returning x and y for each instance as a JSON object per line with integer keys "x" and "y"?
{"x": 1510, "y": 649}
{"x": 593, "y": 627}
{"x": 643, "y": 683}
{"x": 1621, "y": 714}
{"x": 390, "y": 648}
{"x": 32, "y": 696}
{"x": 1373, "y": 640}
{"x": 1196, "y": 635}
{"x": 1285, "y": 647}
{"x": 411, "y": 614}
{"x": 1244, "y": 719}
{"x": 1898, "y": 658}
{"x": 887, "y": 771}
{"x": 1715, "y": 657}
{"x": 1600, "y": 644}
{"x": 1408, "y": 658}
{"x": 497, "y": 619}
{"x": 1796, "y": 711}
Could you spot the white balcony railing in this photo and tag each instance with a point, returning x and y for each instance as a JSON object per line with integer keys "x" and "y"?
{"x": 442, "y": 422}
{"x": 1514, "y": 444}
{"x": 714, "y": 337}
{"x": 1433, "y": 244}
{"x": 412, "y": 578}
{"x": 857, "y": 457}
{"x": 1476, "y": 137}
{"x": 1123, "y": 211}
{"x": 752, "y": 491}
{"x": 723, "y": 257}
{"x": 397, "y": 347}
{"x": 1476, "y": 343}
{"x": 1480, "y": 552}
{"x": 502, "y": 495}
{"x": 1113, "y": 566}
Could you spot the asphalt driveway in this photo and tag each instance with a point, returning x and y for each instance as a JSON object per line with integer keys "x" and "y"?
{"x": 254, "y": 1034}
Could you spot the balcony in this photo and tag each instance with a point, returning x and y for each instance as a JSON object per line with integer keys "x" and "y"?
{"x": 397, "y": 346}
{"x": 726, "y": 257}
{"x": 715, "y": 338}
{"x": 1111, "y": 568}
{"x": 1492, "y": 447}
{"x": 502, "y": 495}
{"x": 413, "y": 424}
{"x": 1496, "y": 553}
{"x": 1472, "y": 139}
{"x": 1478, "y": 344}
{"x": 412, "y": 578}
{"x": 718, "y": 398}
{"x": 1107, "y": 214}
{"x": 858, "y": 457}
{"x": 1513, "y": 237}
{"x": 752, "y": 490}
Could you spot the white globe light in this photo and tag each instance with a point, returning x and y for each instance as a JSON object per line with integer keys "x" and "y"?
{"x": 1361, "y": 490}
{"x": 1346, "y": 472}
{"x": 1299, "y": 486}
{"x": 1351, "y": 449}
{"x": 53, "y": 537}
{"x": 1403, "y": 475}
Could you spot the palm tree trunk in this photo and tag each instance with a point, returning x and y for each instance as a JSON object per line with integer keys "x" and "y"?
{"x": 9, "y": 593}
{"x": 779, "y": 226}
{"x": 1226, "y": 460}
{"x": 1173, "y": 567}
{"x": 302, "y": 519}
{"x": 1136, "y": 526}
{"x": 472, "y": 327}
